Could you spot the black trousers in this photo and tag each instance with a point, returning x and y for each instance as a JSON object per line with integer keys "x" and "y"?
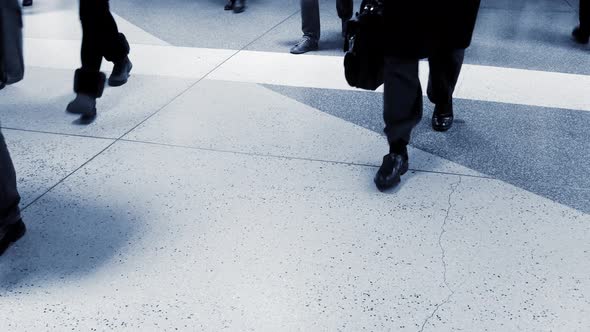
{"x": 402, "y": 97}
{"x": 585, "y": 16}
{"x": 310, "y": 16}
{"x": 9, "y": 197}
{"x": 100, "y": 35}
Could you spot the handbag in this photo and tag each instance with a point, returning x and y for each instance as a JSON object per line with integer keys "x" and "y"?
{"x": 364, "y": 57}
{"x": 12, "y": 67}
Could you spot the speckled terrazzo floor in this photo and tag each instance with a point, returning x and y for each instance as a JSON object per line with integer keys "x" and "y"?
{"x": 212, "y": 193}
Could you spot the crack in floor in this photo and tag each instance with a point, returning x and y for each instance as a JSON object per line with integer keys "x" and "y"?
{"x": 454, "y": 187}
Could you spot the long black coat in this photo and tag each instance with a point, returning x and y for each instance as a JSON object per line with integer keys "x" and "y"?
{"x": 416, "y": 28}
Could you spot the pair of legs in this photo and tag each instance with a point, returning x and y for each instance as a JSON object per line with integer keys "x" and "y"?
{"x": 11, "y": 226}
{"x": 582, "y": 32}
{"x": 237, "y": 6}
{"x": 100, "y": 38}
{"x": 402, "y": 105}
{"x": 310, "y": 23}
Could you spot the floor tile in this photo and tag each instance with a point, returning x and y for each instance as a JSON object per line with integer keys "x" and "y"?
{"x": 515, "y": 262}
{"x": 319, "y": 242}
{"x": 258, "y": 121}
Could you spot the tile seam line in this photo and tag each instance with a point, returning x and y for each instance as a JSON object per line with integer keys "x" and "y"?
{"x": 58, "y": 133}
{"x": 243, "y": 48}
{"x": 269, "y": 30}
{"x": 296, "y": 158}
{"x": 245, "y": 153}
{"x": 149, "y": 117}
{"x": 126, "y": 133}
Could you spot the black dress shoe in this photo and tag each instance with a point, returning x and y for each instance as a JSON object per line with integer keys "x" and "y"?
{"x": 13, "y": 233}
{"x": 120, "y": 73}
{"x": 442, "y": 118}
{"x": 229, "y": 5}
{"x": 581, "y": 36}
{"x": 389, "y": 174}
{"x": 305, "y": 45}
{"x": 27, "y": 3}
{"x": 239, "y": 6}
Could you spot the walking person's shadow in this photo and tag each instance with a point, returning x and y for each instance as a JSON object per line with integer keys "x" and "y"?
{"x": 66, "y": 238}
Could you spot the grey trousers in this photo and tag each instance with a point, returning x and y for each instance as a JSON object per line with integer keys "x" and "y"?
{"x": 9, "y": 197}
{"x": 402, "y": 96}
{"x": 310, "y": 16}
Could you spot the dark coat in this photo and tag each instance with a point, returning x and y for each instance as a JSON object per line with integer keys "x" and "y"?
{"x": 417, "y": 28}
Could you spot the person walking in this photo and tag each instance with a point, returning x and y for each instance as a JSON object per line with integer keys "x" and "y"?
{"x": 12, "y": 69}
{"x": 439, "y": 31}
{"x": 12, "y": 227}
{"x": 581, "y": 33}
{"x": 310, "y": 23}
{"x": 100, "y": 38}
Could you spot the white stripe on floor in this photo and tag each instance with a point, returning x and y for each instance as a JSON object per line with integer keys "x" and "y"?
{"x": 495, "y": 84}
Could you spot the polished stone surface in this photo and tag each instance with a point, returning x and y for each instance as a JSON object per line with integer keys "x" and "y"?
{"x": 232, "y": 189}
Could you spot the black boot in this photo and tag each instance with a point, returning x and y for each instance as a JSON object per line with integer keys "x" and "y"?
{"x": 12, "y": 234}
{"x": 239, "y": 6}
{"x": 393, "y": 167}
{"x": 120, "y": 73}
{"x": 229, "y": 5}
{"x": 442, "y": 118}
{"x": 88, "y": 86}
{"x": 582, "y": 37}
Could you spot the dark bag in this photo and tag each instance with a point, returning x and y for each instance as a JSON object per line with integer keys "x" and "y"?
{"x": 12, "y": 66}
{"x": 364, "y": 58}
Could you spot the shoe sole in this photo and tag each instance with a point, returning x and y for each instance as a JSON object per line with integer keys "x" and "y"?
{"x": 85, "y": 114}
{"x": 11, "y": 237}
{"x": 441, "y": 129}
{"x": 310, "y": 50}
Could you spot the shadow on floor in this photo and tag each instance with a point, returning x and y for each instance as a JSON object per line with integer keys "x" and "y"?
{"x": 66, "y": 238}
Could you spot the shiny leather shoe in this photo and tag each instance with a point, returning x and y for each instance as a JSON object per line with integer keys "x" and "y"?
{"x": 83, "y": 104}
{"x": 239, "y": 6}
{"x": 389, "y": 174}
{"x": 120, "y": 73}
{"x": 12, "y": 234}
{"x": 580, "y": 36}
{"x": 305, "y": 45}
{"x": 27, "y": 3}
{"x": 229, "y": 5}
{"x": 442, "y": 118}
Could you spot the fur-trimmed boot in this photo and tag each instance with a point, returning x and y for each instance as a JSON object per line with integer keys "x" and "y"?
{"x": 88, "y": 86}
